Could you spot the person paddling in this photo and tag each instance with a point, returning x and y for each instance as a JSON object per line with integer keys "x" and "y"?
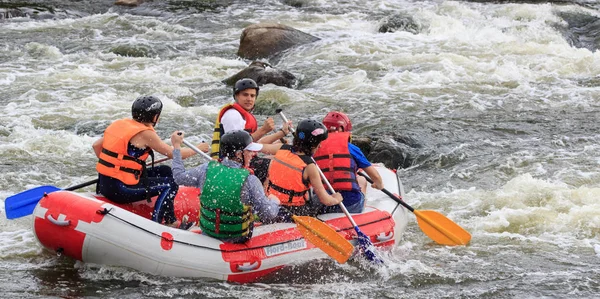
{"x": 231, "y": 194}
{"x": 292, "y": 172}
{"x": 122, "y": 153}
{"x": 340, "y": 160}
{"x": 238, "y": 116}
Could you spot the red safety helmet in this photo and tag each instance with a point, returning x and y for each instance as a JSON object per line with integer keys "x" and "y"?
{"x": 335, "y": 119}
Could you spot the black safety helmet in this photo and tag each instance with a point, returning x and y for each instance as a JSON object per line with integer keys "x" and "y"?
{"x": 145, "y": 108}
{"x": 310, "y": 133}
{"x": 244, "y": 84}
{"x": 232, "y": 142}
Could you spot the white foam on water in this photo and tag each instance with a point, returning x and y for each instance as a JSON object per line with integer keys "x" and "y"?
{"x": 103, "y": 272}
{"x": 525, "y": 208}
{"x": 16, "y": 242}
{"x": 469, "y": 57}
{"x": 462, "y": 44}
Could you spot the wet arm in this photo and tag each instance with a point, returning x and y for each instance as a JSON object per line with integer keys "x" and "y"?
{"x": 155, "y": 143}
{"x": 374, "y": 175}
{"x": 194, "y": 177}
{"x": 271, "y": 149}
{"x": 259, "y": 134}
{"x": 254, "y": 195}
{"x": 272, "y": 137}
{"x": 97, "y": 146}
{"x": 315, "y": 181}
{"x": 267, "y": 127}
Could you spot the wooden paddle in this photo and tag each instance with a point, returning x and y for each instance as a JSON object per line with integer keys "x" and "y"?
{"x": 435, "y": 225}
{"x": 318, "y": 233}
{"x": 23, "y": 204}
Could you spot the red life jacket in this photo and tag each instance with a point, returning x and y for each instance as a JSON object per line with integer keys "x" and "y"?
{"x": 251, "y": 126}
{"x": 334, "y": 159}
{"x": 285, "y": 179}
{"x": 113, "y": 160}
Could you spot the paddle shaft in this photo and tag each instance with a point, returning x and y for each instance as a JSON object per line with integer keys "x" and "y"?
{"x": 341, "y": 204}
{"x": 284, "y": 119}
{"x": 324, "y": 178}
{"x": 275, "y": 131}
{"x": 390, "y": 194}
{"x": 197, "y": 150}
{"x": 85, "y": 184}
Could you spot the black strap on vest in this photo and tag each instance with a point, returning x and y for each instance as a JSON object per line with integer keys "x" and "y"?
{"x": 135, "y": 172}
{"x": 326, "y": 169}
{"x": 226, "y": 233}
{"x": 145, "y": 176}
{"x": 289, "y": 192}
{"x": 214, "y": 219}
{"x": 139, "y": 174}
{"x": 225, "y": 213}
{"x": 125, "y": 157}
{"x": 334, "y": 156}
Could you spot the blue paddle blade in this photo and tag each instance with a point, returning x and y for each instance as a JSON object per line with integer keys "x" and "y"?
{"x": 366, "y": 247}
{"x": 22, "y": 204}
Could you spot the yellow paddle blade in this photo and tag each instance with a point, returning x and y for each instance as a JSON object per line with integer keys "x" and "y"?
{"x": 441, "y": 229}
{"x": 325, "y": 238}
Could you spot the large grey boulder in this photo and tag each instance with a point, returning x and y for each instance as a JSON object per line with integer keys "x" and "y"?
{"x": 394, "y": 151}
{"x": 267, "y": 39}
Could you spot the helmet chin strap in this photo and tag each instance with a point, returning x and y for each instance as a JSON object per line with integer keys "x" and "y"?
{"x": 242, "y": 159}
{"x": 156, "y": 121}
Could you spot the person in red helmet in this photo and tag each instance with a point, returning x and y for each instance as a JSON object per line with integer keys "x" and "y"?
{"x": 340, "y": 160}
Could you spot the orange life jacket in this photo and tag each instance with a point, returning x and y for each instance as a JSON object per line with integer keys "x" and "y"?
{"x": 285, "y": 179}
{"x": 251, "y": 126}
{"x": 334, "y": 159}
{"x": 114, "y": 161}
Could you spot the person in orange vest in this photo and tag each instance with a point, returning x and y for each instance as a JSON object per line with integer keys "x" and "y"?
{"x": 292, "y": 172}
{"x": 340, "y": 160}
{"x": 122, "y": 152}
{"x": 238, "y": 116}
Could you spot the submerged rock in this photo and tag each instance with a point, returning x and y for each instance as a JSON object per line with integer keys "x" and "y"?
{"x": 263, "y": 73}
{"x": 26, "y": 9}
{"x": 267, "y": 39}
{"x": 400, "y": 22}
{"x": 581, "y": 30}
{"x": 7, "y": 13}
{"x": 132, "y": 51}
{"x": 295, "y": 3}
{"x": 129, "y": 2}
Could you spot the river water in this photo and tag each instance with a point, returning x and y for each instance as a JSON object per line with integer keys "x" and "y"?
{"x": 500, "y": 102}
